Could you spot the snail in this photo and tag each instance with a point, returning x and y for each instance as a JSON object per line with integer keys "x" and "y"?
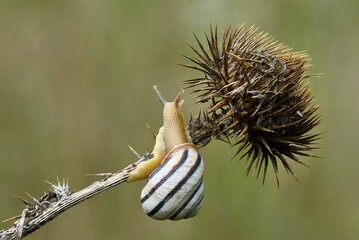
{"x": 174, "y": 187}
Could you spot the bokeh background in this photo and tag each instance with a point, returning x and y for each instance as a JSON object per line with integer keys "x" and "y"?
{"x": 76, "y": 83}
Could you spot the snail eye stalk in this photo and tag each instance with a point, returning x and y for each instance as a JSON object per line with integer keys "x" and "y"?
{"x": 258, "y": 97}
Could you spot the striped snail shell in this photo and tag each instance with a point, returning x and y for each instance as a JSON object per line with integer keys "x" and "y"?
{"x": 174, "y": 187}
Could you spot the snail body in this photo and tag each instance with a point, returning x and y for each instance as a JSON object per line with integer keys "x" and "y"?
{"x": 174, "y": 187}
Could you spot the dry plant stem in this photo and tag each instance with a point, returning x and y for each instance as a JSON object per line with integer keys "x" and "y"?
{"x": 45, "y": 213}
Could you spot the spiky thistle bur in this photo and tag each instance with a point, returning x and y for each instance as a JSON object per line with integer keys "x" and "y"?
{"x": 258, "y": 98}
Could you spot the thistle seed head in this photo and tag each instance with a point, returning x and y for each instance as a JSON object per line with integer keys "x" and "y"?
{"x": 258, "y": 98}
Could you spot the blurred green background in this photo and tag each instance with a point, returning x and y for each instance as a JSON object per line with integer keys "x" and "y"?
{"x": 76, "y": 83}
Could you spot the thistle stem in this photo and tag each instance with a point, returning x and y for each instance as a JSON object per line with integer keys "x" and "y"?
{"x": 58, "y": 200}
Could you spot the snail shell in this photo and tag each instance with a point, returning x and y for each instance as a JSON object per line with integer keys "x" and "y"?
{"x": 175, "y": 189}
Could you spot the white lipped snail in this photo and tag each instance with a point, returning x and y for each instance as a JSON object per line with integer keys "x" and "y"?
{"x": 174, "y": 187}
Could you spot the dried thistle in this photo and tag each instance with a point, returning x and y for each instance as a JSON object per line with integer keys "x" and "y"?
{"x": 257, "y": 95}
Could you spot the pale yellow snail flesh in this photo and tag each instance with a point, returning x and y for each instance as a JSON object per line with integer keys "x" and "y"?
{"x": 174, "y": 189}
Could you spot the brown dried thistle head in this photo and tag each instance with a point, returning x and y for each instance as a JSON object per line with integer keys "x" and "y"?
{"x": 257, "y": 95}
